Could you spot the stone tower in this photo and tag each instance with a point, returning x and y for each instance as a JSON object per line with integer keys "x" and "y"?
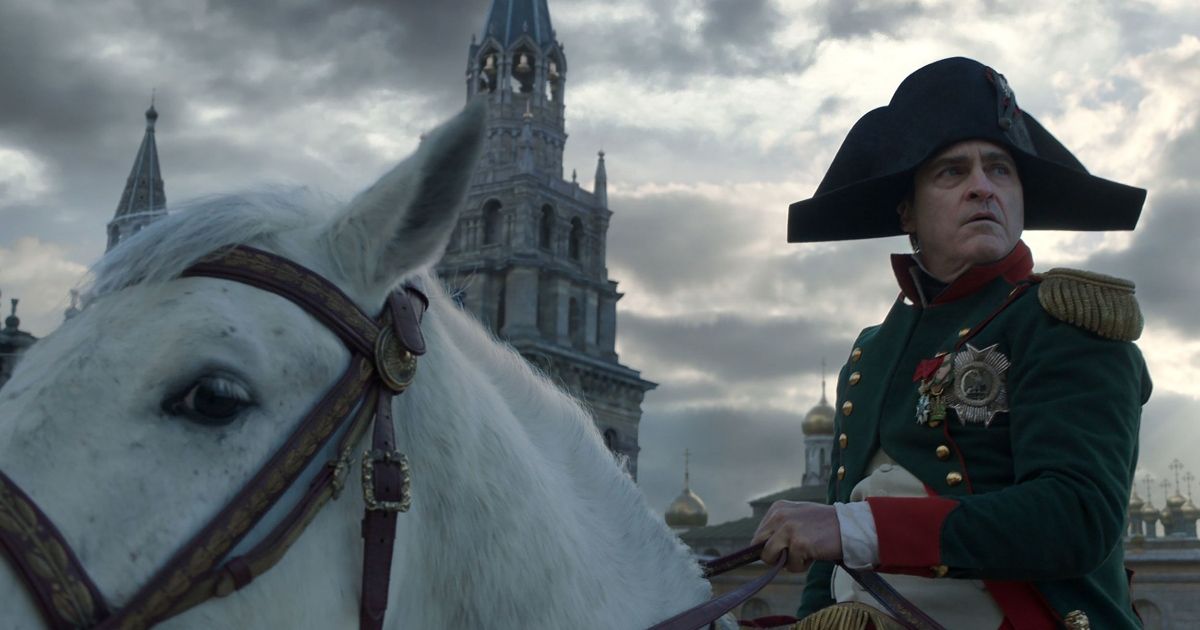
{"x": 528, "y": 255}
{"x": 143, "y": 200}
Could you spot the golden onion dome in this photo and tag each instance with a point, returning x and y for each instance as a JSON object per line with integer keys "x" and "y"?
{"x": 1135, "y": 503}
{"x": 1190, "y": 511}
{"x": 1175, "y": 501}
{"x": 687, "y": 510}
{"x": 1150, "y": 512}
{"x": 819, "y": 419}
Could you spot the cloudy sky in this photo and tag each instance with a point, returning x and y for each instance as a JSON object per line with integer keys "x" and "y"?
{"x": 714, "y": 114}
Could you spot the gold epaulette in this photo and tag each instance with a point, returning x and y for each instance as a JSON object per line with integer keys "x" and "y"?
{"x": 1102, "y": 304}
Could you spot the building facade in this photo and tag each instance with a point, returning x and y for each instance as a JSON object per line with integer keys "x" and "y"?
{"x": 528, "y": 255}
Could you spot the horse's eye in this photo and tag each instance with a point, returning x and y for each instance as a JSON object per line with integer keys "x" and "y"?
{"x": 211, "y": 400}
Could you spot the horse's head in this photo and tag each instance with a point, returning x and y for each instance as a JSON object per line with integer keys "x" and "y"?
{"x": 140, "y": 417}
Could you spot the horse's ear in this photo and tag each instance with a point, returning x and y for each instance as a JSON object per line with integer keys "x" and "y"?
{"x": 404, "y": 220}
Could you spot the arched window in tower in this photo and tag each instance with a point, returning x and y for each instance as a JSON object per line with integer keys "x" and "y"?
{"x": 553, "y": 76}
{"x": 489, "y": 64}
{"x": 491, "y": 222}
{"x": 610, "y": 440}
{"x": 546, "y": 228}
{"x": 575, "y": 244}
{"x": 523, "y": 66}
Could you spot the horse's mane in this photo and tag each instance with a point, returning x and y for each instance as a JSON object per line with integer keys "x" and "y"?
{"x": 163, "y": 249}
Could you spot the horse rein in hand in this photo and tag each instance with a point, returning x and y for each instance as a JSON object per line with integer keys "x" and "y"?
{"x": 383, "y": 361}
{"x": 901, "y": 609}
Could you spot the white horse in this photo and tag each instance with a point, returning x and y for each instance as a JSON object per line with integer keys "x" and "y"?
{"x": 119, "y": 426}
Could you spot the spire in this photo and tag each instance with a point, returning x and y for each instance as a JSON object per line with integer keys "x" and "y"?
{"x": 12, "y": 322}
{"x": 686, "y": 476}
{"x": 508, "y": 20}
{"x": 143, "y": 199}
{"x": 824, "y": 400}
{"x": 601, "y": 187}
{"x": 687, "y": 510}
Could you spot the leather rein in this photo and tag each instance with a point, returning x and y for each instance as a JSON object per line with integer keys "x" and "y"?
{"x": 383, "y": 361}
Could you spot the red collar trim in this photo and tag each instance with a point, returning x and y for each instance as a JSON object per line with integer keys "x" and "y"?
{"x": 1014, "y": 267}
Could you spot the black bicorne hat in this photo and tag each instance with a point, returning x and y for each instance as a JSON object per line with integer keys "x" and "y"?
{"x": 950, "y": 101}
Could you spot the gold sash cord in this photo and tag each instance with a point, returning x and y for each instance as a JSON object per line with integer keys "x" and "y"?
{"x": 848, "y": 616}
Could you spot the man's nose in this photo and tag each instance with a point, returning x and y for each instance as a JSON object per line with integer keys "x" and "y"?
{"x": 979, "y": 186}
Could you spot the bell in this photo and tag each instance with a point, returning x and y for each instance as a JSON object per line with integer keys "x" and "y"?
{"x": 489, "y": 64}
{"x": 553, "y": 71}
{"x": 523, "y": 65}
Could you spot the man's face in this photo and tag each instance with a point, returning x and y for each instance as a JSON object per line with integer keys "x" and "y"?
{"x": 967, "y": 208}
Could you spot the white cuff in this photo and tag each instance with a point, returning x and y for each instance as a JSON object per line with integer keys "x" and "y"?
{"x": 860, "y": 542}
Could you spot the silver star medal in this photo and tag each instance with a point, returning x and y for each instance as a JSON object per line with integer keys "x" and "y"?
{"x": 978, "y": 391}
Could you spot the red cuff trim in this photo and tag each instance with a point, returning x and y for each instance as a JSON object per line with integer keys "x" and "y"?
{"x": 910, "y": 532}
{"x": 1023, "y": 605}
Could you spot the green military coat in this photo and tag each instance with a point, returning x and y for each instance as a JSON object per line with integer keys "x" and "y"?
{"x": 1033, "y": 501}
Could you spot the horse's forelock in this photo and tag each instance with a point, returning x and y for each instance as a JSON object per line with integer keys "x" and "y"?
{"x": 162, "y": 250}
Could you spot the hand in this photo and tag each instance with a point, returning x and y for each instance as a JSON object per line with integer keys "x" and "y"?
{"x": 809, "y": 531}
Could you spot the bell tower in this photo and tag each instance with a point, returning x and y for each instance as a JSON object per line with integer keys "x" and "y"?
{"x": 528, "y": 255}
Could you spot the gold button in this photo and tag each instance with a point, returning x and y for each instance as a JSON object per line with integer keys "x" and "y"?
{"x": 963, "y": 332}
{"x": 939, "y": 570}
{"x": 933, "y": 424}
{"x": 855, "y": 378}
{"x": 943, "y": 452}
{"x": 953, "y": 478}
{"x": 847, "y": 408}
{"x": 843, "y": 440}
{"x": 841, "y": 472}
{"x": 855, "y": 354}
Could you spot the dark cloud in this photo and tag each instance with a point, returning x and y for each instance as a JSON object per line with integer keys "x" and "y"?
{"x": 734, "y": 38}
{"x": 674, "y": 241}
{"x": 1162, "y": 261}
{"x": 733, "y": 349}
{"x": 52, "y": 93}
{"x": 846, "y": 20}
{"x": 741, "y": 24}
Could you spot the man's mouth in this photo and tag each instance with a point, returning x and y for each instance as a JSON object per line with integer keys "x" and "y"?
{"x": 982, "y": 216}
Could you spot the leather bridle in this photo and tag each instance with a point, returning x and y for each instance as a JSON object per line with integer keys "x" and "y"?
{"x": 383, "y": 361}
{"x": 384, "y": 353}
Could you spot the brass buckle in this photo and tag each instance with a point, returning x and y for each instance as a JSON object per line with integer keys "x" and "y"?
{"x": 372, "y": 457}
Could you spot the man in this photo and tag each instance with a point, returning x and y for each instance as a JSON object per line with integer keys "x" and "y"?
{"x": 987, "y": 429}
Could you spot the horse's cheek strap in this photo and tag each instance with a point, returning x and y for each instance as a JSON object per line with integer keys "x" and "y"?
{"x": 65, "y": 593}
